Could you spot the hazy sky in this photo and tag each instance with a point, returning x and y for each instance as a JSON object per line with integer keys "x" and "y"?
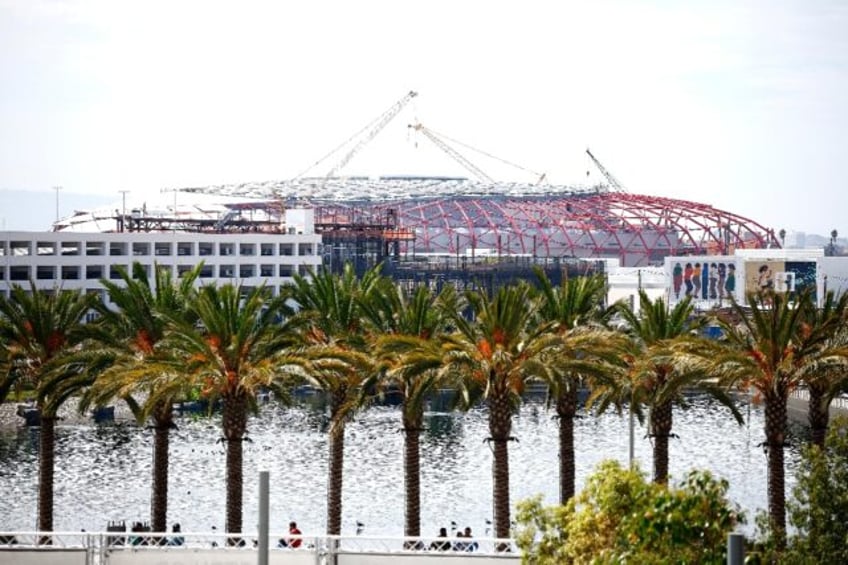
{"x": 741, "y": 105}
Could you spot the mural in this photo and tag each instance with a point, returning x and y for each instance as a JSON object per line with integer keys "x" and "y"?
{"x": 780, "y": 276}
{"x": 705, "y": 279}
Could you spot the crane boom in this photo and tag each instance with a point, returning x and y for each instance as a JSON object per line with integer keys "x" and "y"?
{"x": 471, "y": 167}
{"x": 607, "y": 175}
{"x": 379, "y": 124}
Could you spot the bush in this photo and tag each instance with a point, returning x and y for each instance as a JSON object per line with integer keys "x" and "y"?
{"x": 621, "y": 517}
{"x": 819, "y": 509}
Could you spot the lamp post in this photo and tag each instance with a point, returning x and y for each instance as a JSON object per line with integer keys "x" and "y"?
{"x": 123, "y": 208}
{"x": 57, "y": 189}
{"x": 833, "y": 235}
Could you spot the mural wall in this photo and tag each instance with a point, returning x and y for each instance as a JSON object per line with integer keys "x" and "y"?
{"x": 713, "y": 280}
{"x": 709, "y": 280}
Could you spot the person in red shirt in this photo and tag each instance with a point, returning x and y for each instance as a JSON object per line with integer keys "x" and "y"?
{"x": 294, "y": 542}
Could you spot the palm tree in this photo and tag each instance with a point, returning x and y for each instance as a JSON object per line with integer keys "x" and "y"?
{"x": 825, "y": 384}
{"x": 772, "y": 350}
{"x": 235, "y": 350}
{"x": 39, "y": 328}
{"x": 330, "y": 317}
{"x": 657, "y": 365}
{"x": 408, "y": 328}
{"x": 494, "y": 353}
{"x": 131, "y": 335}
{"x": 572, "y": 306}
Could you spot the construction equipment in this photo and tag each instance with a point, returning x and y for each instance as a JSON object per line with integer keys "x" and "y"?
{"x": 613, "y": 182}
{"x": 471, "y": 167}
{"x": 372, "y": 128}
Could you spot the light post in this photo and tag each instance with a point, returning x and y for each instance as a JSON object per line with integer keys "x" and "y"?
{"x": 57, "y": 189}
{"x": 833, "y": 235}
{"x": 123, "y": 208}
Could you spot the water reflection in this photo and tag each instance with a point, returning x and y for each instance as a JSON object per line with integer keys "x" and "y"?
{"x": 103, "y": 471}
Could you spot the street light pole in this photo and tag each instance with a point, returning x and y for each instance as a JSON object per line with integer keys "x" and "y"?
{"x": 123, "y": 208}
{"x": 57, "y": 189}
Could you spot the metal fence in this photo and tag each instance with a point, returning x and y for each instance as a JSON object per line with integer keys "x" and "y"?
{"x": 192, "y": 548}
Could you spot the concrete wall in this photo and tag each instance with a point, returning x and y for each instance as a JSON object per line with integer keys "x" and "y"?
{"x": 43, "y": 556}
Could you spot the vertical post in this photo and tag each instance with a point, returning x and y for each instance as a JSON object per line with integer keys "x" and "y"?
{"x": 123, "y": 209}
{"x": 263, "y": 519}
{"x": 57, "y": 189}
{"x": 735, "y": 549}
{"x": 632, "y": 430}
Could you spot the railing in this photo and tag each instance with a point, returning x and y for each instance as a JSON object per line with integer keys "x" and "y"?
{"x": 839, "y": 403}
{"x": 190, "y": 548}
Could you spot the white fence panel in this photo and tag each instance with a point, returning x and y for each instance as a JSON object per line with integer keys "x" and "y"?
{"x": 425, "y": 559}
{"x": 211, "y": 556}
{"x": 42, "y": 556}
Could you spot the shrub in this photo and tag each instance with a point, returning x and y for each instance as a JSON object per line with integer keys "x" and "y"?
{"x": 621, "y": 517}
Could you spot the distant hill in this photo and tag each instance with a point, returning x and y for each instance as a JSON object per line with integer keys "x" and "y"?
{"x": 22, "y": 210}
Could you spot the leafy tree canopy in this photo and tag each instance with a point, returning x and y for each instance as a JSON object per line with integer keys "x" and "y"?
{"x": 620, "y": 517}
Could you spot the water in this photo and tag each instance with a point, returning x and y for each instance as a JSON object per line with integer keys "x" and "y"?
{"x": 103, "y": 471}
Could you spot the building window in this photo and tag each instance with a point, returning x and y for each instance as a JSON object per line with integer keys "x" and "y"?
{"x": 185, "y": 248}
{"x": 94, "y": 272}
{"x": 117, "y": 248}
{"x": 70, "y": 273}
{"x": 44, "y": 273}
{"x": 94, "y": 248}
{"x": 20, "y": 248}
{"x": 227, "y": 271}
{"x": 227, "y": 249}
{"x": 247, "y": 271}
{"x": 286, "y": 270}
{"x": 267, "y": 249}
{"x": 286, "y": 249}
{"x": 162, "y": 248}
{"x": 19, "y": 273}
{"x": 46, "y": 248}
{"x": 205, "y": 248}
{"x": 266, "y": 270}
{"x": 247, "y": 249}
{"x": 71, "y": 248}
{"x": 141, "y": 249}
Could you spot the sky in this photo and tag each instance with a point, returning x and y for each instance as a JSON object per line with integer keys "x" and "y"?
{"x": 736, "y": 104}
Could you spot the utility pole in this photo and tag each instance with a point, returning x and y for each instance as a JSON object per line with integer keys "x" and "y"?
{"x": 57, "y": 189}
{"x": 123, "y": 208}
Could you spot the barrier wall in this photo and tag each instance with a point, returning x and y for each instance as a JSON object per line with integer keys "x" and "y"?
{"x": 217, "y": 556}
{"x": 17, "y": 556}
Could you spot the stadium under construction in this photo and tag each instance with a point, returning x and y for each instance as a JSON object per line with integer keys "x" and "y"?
{"x": 455, "y": 228}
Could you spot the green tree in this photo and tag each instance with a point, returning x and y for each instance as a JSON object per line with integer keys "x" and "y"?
{"x": 39, "y": 328}
{"x": 658, "y": 364}
{"x": 409, "y": 327}
{"x": 576, "y": 304}
{"x": 619, "y": 517}
{"x": 337, "y": 357}
{"x": 238, "y": 347}
{"x": 131, "y": 336}
{"x": 494, "y": 353}
{"x": 819, "y": 511}
{"x": 771, "y": 351}
{"x": 825, "y": 384}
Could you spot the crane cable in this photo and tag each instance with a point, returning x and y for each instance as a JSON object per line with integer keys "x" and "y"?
{"x": 489, "y": 155}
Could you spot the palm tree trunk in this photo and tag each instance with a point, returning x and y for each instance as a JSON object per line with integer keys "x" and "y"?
{"x": 412, "y": 474}
{"x": 566, "y": 410}
{"x": 334, "y": 493}
{"x": 161, "y": 440}
{"x": 775, "y": 407}
{"x": 235, "y": 425}
{"x": 818, "y": 414}
{"x": 661, "y": 422}
{"x": 46, "y": 464}
{"x": 500, "y": 427}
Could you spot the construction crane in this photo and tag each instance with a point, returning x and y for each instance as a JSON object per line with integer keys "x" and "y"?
{"x": 372, "y": 128}
{"x": 613, "y": 182}
{"x": 471, "y": 167}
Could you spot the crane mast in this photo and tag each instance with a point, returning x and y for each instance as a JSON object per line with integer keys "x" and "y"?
{"x": 617, "y": 186}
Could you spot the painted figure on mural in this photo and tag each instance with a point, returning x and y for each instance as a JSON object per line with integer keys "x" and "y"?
{"x": 730, "y": 283}
{"x": 722, "y": 275}
{"x": 677, "y": 279}
{"x": 764, "y": 278}
{"x": 713, "y": 281}
{"x": 696, "y": 280}
{"x": 687, "y": 278}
